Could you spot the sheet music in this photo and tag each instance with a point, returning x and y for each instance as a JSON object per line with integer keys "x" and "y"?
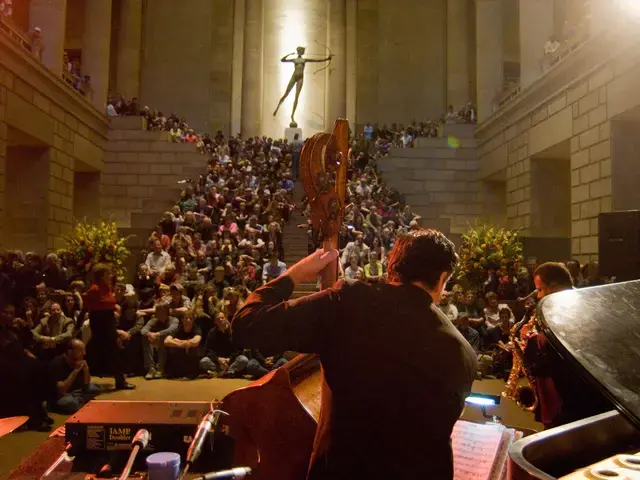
{"x": 500, "y": 462}
{"x": 475, "y": 447}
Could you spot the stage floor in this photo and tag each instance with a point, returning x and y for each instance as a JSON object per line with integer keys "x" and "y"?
{"x": 16, "y": 446}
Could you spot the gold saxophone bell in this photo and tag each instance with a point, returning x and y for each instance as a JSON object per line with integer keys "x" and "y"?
{"x": 525, "y": 396}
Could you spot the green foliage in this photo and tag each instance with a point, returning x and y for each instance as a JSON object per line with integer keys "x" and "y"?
{"x": 485, "y": 246}
{"x": 90, "y": 244}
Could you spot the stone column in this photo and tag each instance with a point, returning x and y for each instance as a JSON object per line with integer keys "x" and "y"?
{"x": 489, "y": 55}
{"x": 252, "y": 70}
{"x": 536, "y": 26}
{"x": 336, "y": 96}
{"x": 129, "y": 44}
{"x": 50, "y": 16}
{"x": 457, "y": 53}
{"x": 96, "y": 46}
{"x": 602, "y": 15}
{"x": 238, "y": 60}
{"x": 352, "y": 60}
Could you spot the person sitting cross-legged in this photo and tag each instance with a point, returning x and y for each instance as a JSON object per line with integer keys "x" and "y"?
{"x": 153, "y": 334}
{"x": 249, "y": 362}
{"x": 183, "y": 348}
{"x": 218, "y": 348}
{"x": 71, "y": 373}
{"x": 53, "y": 331}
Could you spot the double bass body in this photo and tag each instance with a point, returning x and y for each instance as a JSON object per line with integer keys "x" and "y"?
{"x": 273, "y": 421}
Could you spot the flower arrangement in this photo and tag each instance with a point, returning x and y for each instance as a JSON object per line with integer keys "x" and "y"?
{"x": 487, "y": 247}
{"x": 90, "y": 244}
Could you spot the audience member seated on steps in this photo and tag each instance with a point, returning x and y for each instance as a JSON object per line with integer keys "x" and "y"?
{"x": 24, "y": 379}
{"x": 158, "y": 259}
{"x": 218, "y": 348}
{"x": 52, "y": 333}
{"x": 447, "y": 307}
{"x": 131, "y": 323}
{"x": 492, "y": 311}
{"x": 153, "y": 334}
{"x": 470, "y": 335}
{"x": 247, "y": 363}
{"x": 273, "y": 269}
{"x": 183, "y": 349}
{"x": 179, "y": 303}
{"x": 73, "y": 380}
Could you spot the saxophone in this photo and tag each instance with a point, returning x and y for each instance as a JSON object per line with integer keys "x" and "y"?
{"x": 525, "y": 396}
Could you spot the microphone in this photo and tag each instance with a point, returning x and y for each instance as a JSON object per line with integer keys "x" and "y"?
{"x": 207, "y": 424}
{"x": 139, "y": 442}
{"x": 237, "y": 473}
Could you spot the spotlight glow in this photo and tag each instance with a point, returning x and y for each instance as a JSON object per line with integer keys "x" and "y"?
{"x": 630, "y": 7}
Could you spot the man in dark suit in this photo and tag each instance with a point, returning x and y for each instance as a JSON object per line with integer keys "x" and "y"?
{"x": 398, "y": 370}
{"x": 564, "y": 396}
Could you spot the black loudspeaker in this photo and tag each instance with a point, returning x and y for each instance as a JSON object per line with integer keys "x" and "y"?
{"x": 619, "y": 245}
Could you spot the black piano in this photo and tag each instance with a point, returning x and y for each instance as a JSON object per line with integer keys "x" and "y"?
{"x": 596, "y": 330}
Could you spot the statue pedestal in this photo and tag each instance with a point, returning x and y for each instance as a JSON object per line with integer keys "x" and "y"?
{"x": 290, "y": 132}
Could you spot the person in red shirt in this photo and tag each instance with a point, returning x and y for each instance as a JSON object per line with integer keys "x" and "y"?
{"x": 105, "y": 349}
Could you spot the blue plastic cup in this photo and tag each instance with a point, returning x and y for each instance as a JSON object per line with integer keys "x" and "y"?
{"x": 163, "y": 466}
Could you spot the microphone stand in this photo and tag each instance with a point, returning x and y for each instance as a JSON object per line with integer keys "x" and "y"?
{"x": 207, "y": 425}
{"x": 237, "y": 473}
{"x": 139, "y": 442}
{"x": 64, "y": 457}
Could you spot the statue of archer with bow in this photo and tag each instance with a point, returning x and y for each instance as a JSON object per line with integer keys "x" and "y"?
{"x": 297, "y": 78}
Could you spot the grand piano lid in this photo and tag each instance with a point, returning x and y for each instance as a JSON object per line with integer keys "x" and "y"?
{"x": 597, "y": 330}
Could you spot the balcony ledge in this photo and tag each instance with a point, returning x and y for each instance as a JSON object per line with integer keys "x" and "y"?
{"x": 30, "y": 70}
{"x": 589, "y": 57}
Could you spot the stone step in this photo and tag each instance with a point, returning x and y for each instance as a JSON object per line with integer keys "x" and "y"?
{"x": 155, "y": 205}
{"x": 432, "y": 153}
{"x": 139, "y": 135}
{"x": 442, "y": 224}
{"x": 127, "y": 146}
{"x": 139, "y": 236}
{"x": 128, "y": 123}
{"x": 458, "y": 164}
{"x": 297, "y": 294}
{"x": 460, "y": 130}
{"x": 443, "y": 142}
{"x": 170, "y": 193}
{"x": 194, "y": 171}
{"x": 145, "y": 219}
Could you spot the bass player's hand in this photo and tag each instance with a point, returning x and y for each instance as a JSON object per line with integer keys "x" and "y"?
{"x": 308, "y": 269}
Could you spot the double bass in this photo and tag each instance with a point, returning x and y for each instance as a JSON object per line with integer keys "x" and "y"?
{"x": 273, "y": 421}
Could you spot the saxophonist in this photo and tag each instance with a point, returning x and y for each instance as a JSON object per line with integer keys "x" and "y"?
{"x": 563, "y": 396}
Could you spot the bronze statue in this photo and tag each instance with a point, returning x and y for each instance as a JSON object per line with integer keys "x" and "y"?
{"x": 297, "y": 79}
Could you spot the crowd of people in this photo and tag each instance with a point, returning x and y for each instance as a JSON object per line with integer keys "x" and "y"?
{"x": 485, "y": 317}
{"x": 221, "y": 240}
{"x": 72, "y": 74}
{"x": 376, "y": 139}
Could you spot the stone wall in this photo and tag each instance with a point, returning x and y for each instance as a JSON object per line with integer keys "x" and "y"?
{"x": 401, "y": 60}
{"x": 47, "y": 132}
{"x": 141, "y": 175}
{"x": 187, "y": 61}
{"x": 438, "y": 181}
{"x": 566, "y": 113}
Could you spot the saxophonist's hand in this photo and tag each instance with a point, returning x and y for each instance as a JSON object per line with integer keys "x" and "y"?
{"x": 308, "y": 269}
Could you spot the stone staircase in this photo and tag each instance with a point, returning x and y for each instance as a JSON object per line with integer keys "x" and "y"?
{"x": 295, "y": 242}
{"x": 140, "y": 183}
{"x": 438, "y": 178}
